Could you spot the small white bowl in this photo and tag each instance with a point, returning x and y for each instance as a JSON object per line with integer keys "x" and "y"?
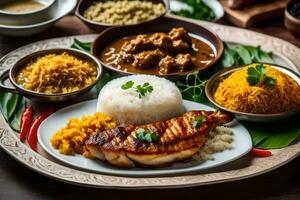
{"x": 26, "y": 18}
{"x": 63, "y": 8}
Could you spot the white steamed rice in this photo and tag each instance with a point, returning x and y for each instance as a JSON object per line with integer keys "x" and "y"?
{"x": 218, "y": 140}
{"x": 125, "y": 106}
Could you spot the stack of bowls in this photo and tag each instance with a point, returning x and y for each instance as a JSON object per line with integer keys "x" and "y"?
{"x": 16, "y": 20}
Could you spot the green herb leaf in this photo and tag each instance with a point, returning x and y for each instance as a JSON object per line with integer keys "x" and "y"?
{"x": 83, "y": 46}
{"x": 127, "y": 85}
{"x": 240, "y": 55}
{"x": 257, "y": 74}
{"x": 16, "y": 118}
{"x": 196, "y": 9}
{"x": 197, "y": 121}
{"x": 148, "y": 87}
{"x": 140, "y": 89}
{"x": 274, "y": 135}
{"x": 8, "y": 104}
{"x": 260, "y": 69}
{"x": 265, "y": 57}
{"x": 228, "y": 57}
{"x": 254, "y": 76}
{"x": 269, "y": 82}
{"x": 146, "y": 135}
{"x": 244, "y": 54}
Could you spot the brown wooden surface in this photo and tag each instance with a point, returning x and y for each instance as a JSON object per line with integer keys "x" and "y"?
{"x": 18, "y": 182}
{"x": 251, "y": 15}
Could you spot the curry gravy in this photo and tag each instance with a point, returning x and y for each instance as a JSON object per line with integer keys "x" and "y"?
{"x": 203, "y": 55}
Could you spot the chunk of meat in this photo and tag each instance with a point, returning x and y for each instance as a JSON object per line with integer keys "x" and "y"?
{"x": 180, "y": 34}
{"x": 178, "y": 139}
{"x": 185, "y": 61}
{"x": 161, "y": 40}
{"x": 167, "y": 64}
{"x": 126, "y": 57}
{"x": 181, "y": 46}
{"x": 140, "y": 43}
{"x": 148, "y": 59}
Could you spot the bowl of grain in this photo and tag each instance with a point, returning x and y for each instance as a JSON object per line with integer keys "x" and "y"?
{"x": 103, "y": 14}
{"x": 52, "y": 75}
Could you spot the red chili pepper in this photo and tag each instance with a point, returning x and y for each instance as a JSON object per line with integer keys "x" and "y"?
{"x": 25, "y": 123}
{"x": 32, "y": 135}
{"x": 260, "y": 152}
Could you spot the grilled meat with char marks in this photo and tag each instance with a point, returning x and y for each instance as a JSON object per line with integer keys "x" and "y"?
{"x": 177, "y": 139}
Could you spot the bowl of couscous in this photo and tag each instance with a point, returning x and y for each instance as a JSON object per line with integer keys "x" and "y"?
{"x": 103, "y": 14}
{"x": 52, "y": 75}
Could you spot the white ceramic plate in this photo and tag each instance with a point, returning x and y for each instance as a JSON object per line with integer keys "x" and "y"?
{"x": 241, "y": 145}
{"x": 215, "y": 5}
{"x": 63, "y": 8}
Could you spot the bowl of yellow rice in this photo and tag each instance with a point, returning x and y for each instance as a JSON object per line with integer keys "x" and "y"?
{"x": 256, "y": 92}
{"x": 53, "y": 75}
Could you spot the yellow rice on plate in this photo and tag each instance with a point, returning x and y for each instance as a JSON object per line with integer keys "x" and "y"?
{"x": 235, "y": 93}
{"x": 71, "y": 139}
{"x": 57, "y": 73}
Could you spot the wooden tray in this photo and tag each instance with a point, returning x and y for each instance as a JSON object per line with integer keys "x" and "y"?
{"x": 248, "y": 166}
{"x": 249, "y": 16}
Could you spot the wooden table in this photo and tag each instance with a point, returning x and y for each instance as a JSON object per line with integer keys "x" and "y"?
{"x": 18, "y": 182}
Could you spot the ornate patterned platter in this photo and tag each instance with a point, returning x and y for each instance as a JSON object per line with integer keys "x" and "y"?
{"x": 285, "y": 53}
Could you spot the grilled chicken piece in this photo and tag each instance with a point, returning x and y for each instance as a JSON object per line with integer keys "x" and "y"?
{"x": 177, "y": 139}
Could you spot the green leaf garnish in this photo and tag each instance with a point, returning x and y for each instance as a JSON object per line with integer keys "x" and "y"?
{"x": 127, "y": 85}
{"x": 146, "y": 135}
{"x": 254, "y": 75}
{"x": 257, "y": 74}
{"x": 198, "y": 121}
{"x": 142, "y": 90}
{"x": 270, "y": 82}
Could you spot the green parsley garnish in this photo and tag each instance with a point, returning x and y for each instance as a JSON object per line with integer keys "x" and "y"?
{"x": 142, "y": 90}
{"x": 127, "y": 85}
{"x": 197, "y": 121}
{"x": 257, "y": 75}
{"x": 146, "y": 135}
{"x": 269, "y": 81}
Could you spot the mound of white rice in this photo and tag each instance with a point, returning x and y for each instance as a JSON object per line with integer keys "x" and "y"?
{"x": 126, "y": 107}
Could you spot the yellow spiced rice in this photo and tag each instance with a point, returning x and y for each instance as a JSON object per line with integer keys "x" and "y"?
{"x": 235, "y": 93}
{"x": 57, "y": 73}
{"x": 71, "y": 139}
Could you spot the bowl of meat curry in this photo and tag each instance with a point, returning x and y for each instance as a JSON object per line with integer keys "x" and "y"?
{"x": 168, "y": 48}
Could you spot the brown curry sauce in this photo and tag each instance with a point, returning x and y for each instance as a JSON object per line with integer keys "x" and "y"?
{"x": 201, "y": 51}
